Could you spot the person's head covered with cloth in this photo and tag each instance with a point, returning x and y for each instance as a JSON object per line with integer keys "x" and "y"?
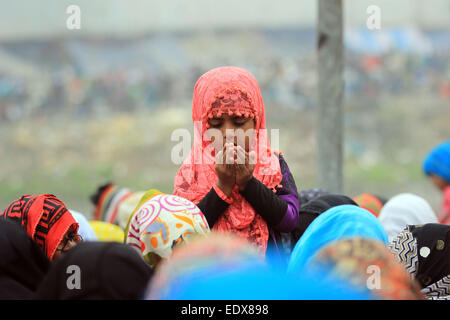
{"x": 85, "y": 230}
{"x": 370, "y": 202}
{"x": 114, "y": 204}
{"x": 403, "y": 210}
{"x": 96, "y": 271}
{"x": 107, "y": 232}
{"x": 161, "y": 222}
{"x": 437, "y": 165}
{"x": 313, "y": 209}
{"x": 367, "y": 264}
{"x": 47, "y": 221}
{"x": 23, "y": 264}
{"x": 345, "y": 221}
{"x": 227, "y": 267}
{"x": 424, "y": 251}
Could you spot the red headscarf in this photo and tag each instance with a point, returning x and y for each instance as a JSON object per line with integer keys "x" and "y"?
{"x": 44, "y": 217}
{"x": 229, "y": 90}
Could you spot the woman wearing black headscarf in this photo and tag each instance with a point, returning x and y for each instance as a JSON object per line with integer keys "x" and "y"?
{"x": 312, "y": 209}
{"x": 307, "y": 195}
{"x": 97, "y": 271}
{"x": 23, "y": 264}
{"x": 424, "y": 251}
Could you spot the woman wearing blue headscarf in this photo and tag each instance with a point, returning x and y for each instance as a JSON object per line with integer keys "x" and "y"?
{"x": 437, "y": 167}
{"x": 262, "y": 283}
{"x": 345, "y": 221}
{"x": 225, "y": 267}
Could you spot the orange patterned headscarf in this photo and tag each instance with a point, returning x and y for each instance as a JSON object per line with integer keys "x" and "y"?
{"x": 230, "y": 90}
{"x": 366, "y": 263}
{"x": 369, "y": 202}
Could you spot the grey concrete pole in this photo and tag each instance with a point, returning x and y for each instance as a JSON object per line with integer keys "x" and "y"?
{"x": 330, "y": 95}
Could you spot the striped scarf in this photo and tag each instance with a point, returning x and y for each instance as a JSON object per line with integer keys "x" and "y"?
{"x": 108, "y": 204}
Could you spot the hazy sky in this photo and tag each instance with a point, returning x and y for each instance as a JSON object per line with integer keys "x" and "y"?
{"x": 23, "y": 18}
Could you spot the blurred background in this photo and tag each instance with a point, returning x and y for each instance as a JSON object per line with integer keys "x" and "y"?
{"x": 79, "y": 108}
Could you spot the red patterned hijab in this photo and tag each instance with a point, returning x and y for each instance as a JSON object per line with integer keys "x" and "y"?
{"x": 230, "y": 90}
{"x": 44, "y": 217}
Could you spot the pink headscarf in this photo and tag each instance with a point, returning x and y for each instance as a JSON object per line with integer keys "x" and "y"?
{"x": 229, "y": 90}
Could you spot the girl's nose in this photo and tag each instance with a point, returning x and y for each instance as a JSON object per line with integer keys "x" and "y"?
{"x": 229, "y": 136}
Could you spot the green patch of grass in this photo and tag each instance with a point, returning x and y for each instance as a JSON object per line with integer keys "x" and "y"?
{"x": 384, "y": 172}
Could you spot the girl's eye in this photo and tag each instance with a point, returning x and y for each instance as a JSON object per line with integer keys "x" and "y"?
{"x": 240, "y": 122}
{"x": 215, "y": 123}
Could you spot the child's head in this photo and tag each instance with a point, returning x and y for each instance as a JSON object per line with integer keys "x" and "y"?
{"x": 232, "y": 112}
{"x": 437, "y": 165}
{"x": 237, "y": 129}
{"x": 228, "y": 103}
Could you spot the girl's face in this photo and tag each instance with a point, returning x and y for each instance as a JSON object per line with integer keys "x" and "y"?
{"x": 438, "y": 182}
{"x": 70, "y": 240}
{"x": 241, "y": 133}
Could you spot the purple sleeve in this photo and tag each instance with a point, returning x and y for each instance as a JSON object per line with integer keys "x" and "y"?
{"x": 288, "y": 192}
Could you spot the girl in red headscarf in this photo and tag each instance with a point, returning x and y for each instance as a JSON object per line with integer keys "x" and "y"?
{"x": 231, "y": 173}
{"x": 47, "y": 221}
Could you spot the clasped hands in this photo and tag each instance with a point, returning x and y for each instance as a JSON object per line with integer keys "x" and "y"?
{"x": 234, "y": 166}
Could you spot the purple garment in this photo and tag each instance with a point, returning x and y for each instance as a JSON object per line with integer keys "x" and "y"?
{"x": 289, "y": 221}
{"x": 288, "y": 192}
